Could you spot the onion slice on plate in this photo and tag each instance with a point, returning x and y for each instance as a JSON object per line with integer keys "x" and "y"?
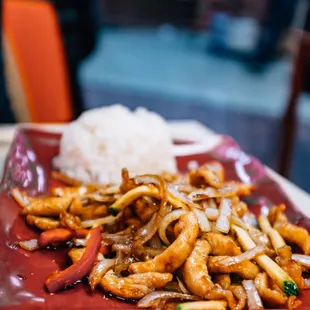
{"x": 212, "y": 214}
{"x": 167, "y": 220}
{"x": 182, "y": 286}
{"x": 202, "y": 220}
{"x": 29, "y": 245}
{"x": 172, "y": 190}
{"x": 153, "y": 299}
{"x": 303, "y": 260}
{"x": 254, "y": 300}
{"x": 223, "y": 221}
{"x": 100, "y": 221}
{"x": 238, "y": 221}
{"x": 98, "y": 271}
{"x": 248, "y": 255}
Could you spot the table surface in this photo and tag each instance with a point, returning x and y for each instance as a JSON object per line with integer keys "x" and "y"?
{"x": 181, "y": 129}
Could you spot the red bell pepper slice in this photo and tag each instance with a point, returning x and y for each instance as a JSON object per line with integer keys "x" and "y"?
{"x": 61, "y": 279}
{"x": 55, "y": 235}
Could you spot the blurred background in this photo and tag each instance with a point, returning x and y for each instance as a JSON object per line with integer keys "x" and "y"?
{"x": 241, "y": 67}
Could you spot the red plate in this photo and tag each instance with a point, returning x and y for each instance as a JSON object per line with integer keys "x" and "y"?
{"x": 28, "y": 166}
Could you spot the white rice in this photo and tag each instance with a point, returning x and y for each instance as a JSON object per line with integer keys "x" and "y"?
{"x": 102, "y": 141}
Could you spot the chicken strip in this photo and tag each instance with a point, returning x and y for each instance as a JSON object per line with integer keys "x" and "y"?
{"x": 145, "y": 208}
{"x": 272, "y": 297}
{"x": 89, "y": 212}
{"x": 245, "y": 269}
{"x": 240, "y": 294}
{"x": 195, "y": 271}
{"x": 295, "y": 234}
{"x": 217, "y": 293}
{"x": 223, "y": 280}
{"x": 134, "y": 286}
{"x": 204, "y": 177}
{"x": 69, "y": 220}
{"x": 43, "y": 223}
{"x": 239, "y": 208}
{"x": 52, "y": 206}
{"x": 175, "y": 255}
{"x": 222, "y": 245}
{"x": 293, "y": 269}
{"x": 289, "y": 232}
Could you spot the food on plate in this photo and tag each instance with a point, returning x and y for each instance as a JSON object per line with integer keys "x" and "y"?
{"x": 167, "y": 242}
{"x": 96, "y": 146}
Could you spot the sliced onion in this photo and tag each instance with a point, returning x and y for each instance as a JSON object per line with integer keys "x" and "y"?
{"x": 167, "y": 220}
{"x": 212, "y": 203}
{"x": 203, "y": 221}
{"x": 303, "y": 260}
{"x": 238, "y": 221}
{"x": 155, "y": 242}
{"x": 182, "y": 286}
{"x": 163, "y": 209}
{"x": 110, "y": 190}
{"x": 248, "y": 255}
{"x": 19, "y": 197}
{"x": 147, "y": 229}
{"x": 152, "y": 300}
{"x": 172, "y": 190}
{"x": 121, "y": 237}
{"x": 177, "y": 203}
{"x": 307, "y": 283}
{"x": 250, "y": 218}
{"x": 98, "y": 271}
{"x": 212, "y": 214}
{"x": 100, "y": 221}
{"x": 223, "y": 222}
{"x": 30, "y": 245}
{"x": 80, "y": 242}
{"x": 121, "y": 248}
{"x": 184, "y": 188}
{"x": 254, "y": 300}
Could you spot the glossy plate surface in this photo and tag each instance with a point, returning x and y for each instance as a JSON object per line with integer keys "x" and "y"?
{"x": 28, "y": 166}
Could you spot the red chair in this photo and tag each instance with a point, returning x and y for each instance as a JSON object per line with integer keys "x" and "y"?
{"x": 36, "y": 72}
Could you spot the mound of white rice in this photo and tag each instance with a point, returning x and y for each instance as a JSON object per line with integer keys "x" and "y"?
{"x": 102, "y": 141}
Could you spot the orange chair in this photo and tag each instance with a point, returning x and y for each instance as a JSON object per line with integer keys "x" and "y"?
{"x": 36, "y": 73}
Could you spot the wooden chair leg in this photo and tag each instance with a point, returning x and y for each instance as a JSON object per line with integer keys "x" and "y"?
{"x": 289, "y": 121}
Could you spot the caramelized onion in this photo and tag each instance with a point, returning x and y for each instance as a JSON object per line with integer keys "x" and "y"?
{"x": 98, "y": 271}
{"x": 248, "y": 255}
{"x": 237, "y": 221}
{"x": 212, "y": 214}
{"x": 254, "y": 300}
{"x": 163, "y": 210}
{"x": 100, "y": 221}
{"x": 155, "y": 242}
{"x": 152, "y": 300}
{"x": 80, "y": 242}
{"x": 29, "y": 245}
{"x": 307, "y": 283}
{"x": 223, "y": 221}
{"x": 182, "y": 286}
{"x": 202, "y": 220}
{"x": 172, "y": 190}
{"x": 167, "y": 220}
{"x": 19, "y": 197}
{"x": 147, "y": 229}
{"x": 303, "y": 260}
{"x": 121, "y": 248}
